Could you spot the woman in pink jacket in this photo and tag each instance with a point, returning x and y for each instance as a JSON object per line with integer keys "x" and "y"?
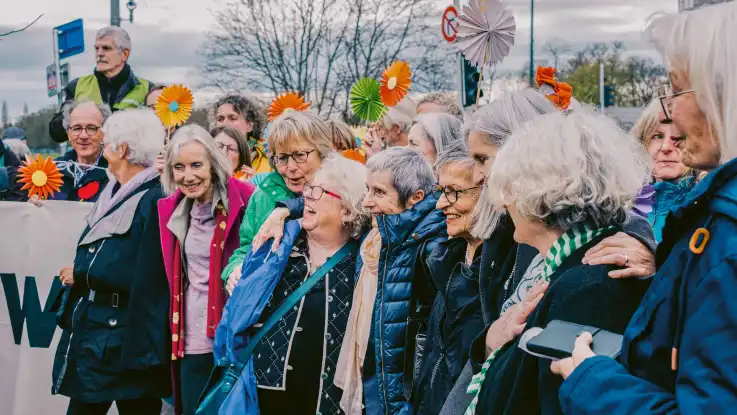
{"x": 199, "y": 225}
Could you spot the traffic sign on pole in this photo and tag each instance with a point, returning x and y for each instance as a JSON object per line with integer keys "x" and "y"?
{"x": 449, "y": 25}
{"x": 54, "y": 82}
{"x": 70, "y": 39}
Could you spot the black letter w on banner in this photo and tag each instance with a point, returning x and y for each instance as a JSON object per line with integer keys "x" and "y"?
{"x": 41, "y": 325}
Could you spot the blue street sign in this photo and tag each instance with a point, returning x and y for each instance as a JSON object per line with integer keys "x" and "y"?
{"x": 70, "y": 39}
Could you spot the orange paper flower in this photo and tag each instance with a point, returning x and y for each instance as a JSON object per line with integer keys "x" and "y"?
{"x": 355, "y": 155}
{"x": 286, "y": 102}
{"x": 545, "y": 75}
{"x": 40, "y": 177}
{"x": 174, "y": 105}
{"x": 395, "y": 82}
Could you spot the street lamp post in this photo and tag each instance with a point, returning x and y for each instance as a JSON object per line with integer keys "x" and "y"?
{"x": 532, "y": 42}
{"x": 115, "y": 12}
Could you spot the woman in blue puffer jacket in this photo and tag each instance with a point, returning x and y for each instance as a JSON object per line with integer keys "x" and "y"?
{"x": 677, "y": 354}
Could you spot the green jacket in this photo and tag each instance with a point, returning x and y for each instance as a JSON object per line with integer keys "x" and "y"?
{"x": 271, "y": 189}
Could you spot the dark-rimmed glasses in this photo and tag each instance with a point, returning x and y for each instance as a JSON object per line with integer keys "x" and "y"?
{"x": 665, "y": 95}
{"x": 316, "y": 192}
{"x": 299, "y": 157}
{"x": 451, "y": 194}
{"x": 90, "y": 129}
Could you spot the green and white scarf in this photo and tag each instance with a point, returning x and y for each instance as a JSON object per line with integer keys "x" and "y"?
{"x": 565, "y": 246}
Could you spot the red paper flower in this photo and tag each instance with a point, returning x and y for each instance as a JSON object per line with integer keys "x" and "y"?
{"x": 88, "y": 191}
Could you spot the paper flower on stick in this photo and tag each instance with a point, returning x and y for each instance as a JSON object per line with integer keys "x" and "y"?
{"x": 395, "y": 82}
{"x": 40, "y": 177}
{"x": 174, "y": 105}
{"x": 485, "y": 32}
{"x": 286, "y": 102}
{"x": 366, "y": 100}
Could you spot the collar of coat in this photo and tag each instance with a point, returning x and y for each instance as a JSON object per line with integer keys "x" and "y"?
{"x": 413, "y": 225}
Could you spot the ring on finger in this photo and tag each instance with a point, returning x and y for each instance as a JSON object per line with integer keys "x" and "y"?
{"x": 626, "y": 261}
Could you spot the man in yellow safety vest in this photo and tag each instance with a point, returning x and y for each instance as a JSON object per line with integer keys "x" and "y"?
{"x": 113, "y": 82}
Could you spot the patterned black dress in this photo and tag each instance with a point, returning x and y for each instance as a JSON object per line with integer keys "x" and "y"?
{"x": 295, "y": 362}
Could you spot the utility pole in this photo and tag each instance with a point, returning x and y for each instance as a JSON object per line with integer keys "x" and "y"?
{"x": 532, "y": 42}
{"x": 602, "y": 98}
{"x": 115, "y": 12}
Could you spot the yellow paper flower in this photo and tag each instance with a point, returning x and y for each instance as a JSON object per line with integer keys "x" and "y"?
{"x": 395, "y": 83}
{"x": 286, "y": 102}
{"x": 40, "y": 177}
{"x": 174, "y": 105}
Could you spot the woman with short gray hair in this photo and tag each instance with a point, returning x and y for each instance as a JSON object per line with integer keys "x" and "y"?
{"x": 199, "y": 233}
{"x": 431, "y": 133}
{"x": 567, "y": 181}
{"x": 116, "y": 298}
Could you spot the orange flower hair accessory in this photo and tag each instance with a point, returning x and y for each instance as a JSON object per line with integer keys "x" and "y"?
{"x": 286, "y": 102}
{"x": 395, "y": 83}
{"x": 355, "y": 155}
{"x": 174, "y": 105}
{"x": 559, "y": 93}
{"x": 40, "y": 177}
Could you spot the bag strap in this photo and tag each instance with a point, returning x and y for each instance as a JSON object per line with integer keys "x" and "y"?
{"x": 292, "y": 300}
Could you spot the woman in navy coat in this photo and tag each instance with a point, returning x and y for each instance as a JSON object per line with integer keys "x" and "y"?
{"x": 116, "y": 342}
{"x": 678, "y": 354}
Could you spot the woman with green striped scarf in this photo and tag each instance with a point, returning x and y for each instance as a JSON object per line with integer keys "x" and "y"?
{"x": 566, "y": 180}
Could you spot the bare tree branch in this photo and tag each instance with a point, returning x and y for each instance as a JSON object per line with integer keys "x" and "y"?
{"x": 22, "y": 29}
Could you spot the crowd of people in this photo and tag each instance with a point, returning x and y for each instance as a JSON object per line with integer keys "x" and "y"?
{"x": 304, "y": 273}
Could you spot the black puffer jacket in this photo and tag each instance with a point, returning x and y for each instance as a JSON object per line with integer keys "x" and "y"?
{"x": 455, "y": 321}
{"x": 9, "y": 186}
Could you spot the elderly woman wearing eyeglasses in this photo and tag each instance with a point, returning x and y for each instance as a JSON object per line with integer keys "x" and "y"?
{"x": 292, "y": 367}
{"x": 677, "y": 353}
{"x": 454, "y": 267}
{"x": 298, "y": 142}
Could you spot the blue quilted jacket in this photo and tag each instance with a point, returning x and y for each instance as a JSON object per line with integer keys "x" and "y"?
{"x": 405, "y": 238}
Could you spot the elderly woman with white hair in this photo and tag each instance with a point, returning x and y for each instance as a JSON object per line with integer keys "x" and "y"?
{"x": 432, "y": 133}
{"x": 392, "y": 129}
{"x": 677, "y": 355}
{"x": 199, "y": 225}
{"x": 575, "y": 192}
{"x": 116, "y": 301}
{"x": 292, "y": 302}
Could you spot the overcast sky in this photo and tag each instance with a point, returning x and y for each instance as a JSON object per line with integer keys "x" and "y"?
{"x": 167, "y": 33}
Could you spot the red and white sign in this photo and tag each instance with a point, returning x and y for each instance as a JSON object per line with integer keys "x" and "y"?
{"x": 449, "y": 25}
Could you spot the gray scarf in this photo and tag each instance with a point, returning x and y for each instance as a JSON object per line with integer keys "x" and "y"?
{"x": 108, "y": 201}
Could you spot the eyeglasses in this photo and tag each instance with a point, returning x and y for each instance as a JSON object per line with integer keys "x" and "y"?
{"x": 299, "y": 157}
{"x": 451, "y": 194}
{"x": 90, "y": 129}
{"x": 665, "y": 95}
{"x": 316, "y": 192}
{"x": 227, "y": 149}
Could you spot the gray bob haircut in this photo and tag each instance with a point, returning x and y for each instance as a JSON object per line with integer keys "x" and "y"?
{"x": 140, "y": 130}
{"x": 409, "y": 170}
{"x": 570, "y": 168}
{"x": 220, "y": 164}
{"x": 121, "y": 37}
{"x": 68, "y": 109}
{"x": 499, "y": 119}
{"x": 447, "y": 100}
{"x": 700, "y": 45}
{"x": 347, "y": 178}
{"x": 440, "y": 129}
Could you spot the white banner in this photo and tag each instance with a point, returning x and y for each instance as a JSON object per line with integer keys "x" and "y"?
{"x": 35, "y": 243}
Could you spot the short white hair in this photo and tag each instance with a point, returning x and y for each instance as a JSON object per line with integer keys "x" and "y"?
{"x": 408, "y": 169}
{"x": 105, "y": 111}
{"x": 400, "y": 115}
{"x": 18, "y": 147}
{"x": 221, "y": 166}
{"x": 701, "y": 43}
{"x": 440, "y": 129}
{"x": 141, "y": 130}
{"x": 569, "y": 168}
{"x": 348, "y": 179}
{"x": 120, "y": 36}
